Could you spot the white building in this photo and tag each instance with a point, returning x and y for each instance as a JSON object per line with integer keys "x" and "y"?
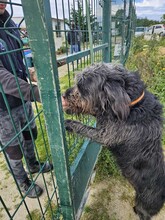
{"x": 59, "y": 36}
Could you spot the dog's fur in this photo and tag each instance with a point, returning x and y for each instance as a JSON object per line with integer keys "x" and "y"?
{"x": 132, "y": 133}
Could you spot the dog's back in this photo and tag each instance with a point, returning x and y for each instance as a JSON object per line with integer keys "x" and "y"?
{"x": 140, "y": 155}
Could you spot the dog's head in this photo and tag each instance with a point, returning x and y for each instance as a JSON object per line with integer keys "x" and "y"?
{"x": 102, "y": 88}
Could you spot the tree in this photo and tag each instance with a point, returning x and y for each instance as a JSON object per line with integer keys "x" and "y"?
{"x": 122, "y": 20}
{"x": 80, "y": 19}
{"x": 163, "y": 18}
{"x": 145, "y": 22}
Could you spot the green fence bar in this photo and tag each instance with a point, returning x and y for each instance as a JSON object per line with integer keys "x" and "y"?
{"x": 39, "y": 27}
{"x": 106, "y": 29}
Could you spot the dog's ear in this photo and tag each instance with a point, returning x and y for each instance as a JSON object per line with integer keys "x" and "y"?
{"x": 117, "y": 99}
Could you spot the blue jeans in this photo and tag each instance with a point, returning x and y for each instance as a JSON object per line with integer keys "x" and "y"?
{"x": 74, "y": 48}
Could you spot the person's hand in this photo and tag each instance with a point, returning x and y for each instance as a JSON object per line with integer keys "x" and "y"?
{"x": 36, "y": 96}
{"x": 32, "y": 73}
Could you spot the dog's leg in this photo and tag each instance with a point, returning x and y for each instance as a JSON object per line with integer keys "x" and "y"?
{"x": 140, "y": 211}
{"x": 94, "y": 134}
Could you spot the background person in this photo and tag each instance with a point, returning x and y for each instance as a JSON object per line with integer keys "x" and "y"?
{"x": 74, "y": 38}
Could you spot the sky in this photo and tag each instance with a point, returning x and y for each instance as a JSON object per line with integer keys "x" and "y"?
{"x": 152, "y": 9}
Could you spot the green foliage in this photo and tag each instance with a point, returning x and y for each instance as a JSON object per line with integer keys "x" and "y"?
{"x": 145, "y": 56}
{"x": 80, "y": 19}
{"x": 52, "y": 211}
{"x": 148, "y": 58}
{"x": 162, "y": 42}
{"x": 96, "y": 211}
{"x": 42, "y": 138}
{"x": 144, "y": 22}
{"x": 66, "y": 81}
{"x": 106, "y": 165}
{"x": 119, "y": 16}
{"x": 163, "y": 18}
{"x": 35, "y": 214}
{"x": 62, "y": 49}
{"x": 138, "y": 45}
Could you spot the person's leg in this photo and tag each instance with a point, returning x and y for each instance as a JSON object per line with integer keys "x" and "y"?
{"x": 14, "y": 151}
{"x": 79, "y": 46}
{"x": 30, "y": 135}
{"x": 71, "y": 49}
{"x": 16, "y": 165}
{"x": 76, "y": 48}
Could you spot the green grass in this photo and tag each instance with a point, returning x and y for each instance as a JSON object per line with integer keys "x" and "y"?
{"x": 105, "y": 198}
{"x": 35, "y": 214}
{"x": 42, "y": 139}
{"x": 106, "y": 165}
{"x": 145, "y": 56}
{"x": 52, "y": 211}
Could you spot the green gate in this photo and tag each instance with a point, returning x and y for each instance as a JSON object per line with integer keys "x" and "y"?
{"x": 105, "y": 35}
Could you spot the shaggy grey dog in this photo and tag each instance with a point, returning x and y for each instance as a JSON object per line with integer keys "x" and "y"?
{"x": 129, "y": 123}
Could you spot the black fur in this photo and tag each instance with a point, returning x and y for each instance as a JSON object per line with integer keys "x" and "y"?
{"x": 132, "y": 133}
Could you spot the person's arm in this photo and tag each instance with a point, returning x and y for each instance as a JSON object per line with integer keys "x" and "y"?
{"x": 9, "y": 85}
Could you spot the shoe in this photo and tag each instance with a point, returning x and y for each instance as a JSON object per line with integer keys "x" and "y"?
{"x": 45, "y": 167}
{"x": 32, "y": 191}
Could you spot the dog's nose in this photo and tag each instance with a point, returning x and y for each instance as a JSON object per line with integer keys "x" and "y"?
{"x": 64, "y": 102}
{"x": 63, "y": 96}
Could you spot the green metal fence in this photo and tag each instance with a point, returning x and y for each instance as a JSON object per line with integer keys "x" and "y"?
{"x": 104, "y": 28}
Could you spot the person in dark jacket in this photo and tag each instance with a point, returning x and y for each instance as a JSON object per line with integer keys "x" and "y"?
{"x": 73, "y": 38}
{"x": 12, "y": 73}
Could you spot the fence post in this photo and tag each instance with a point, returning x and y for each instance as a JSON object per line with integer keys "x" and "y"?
{"x": 107, "y": 30}
{"x": 122, "y": 55}
{"x": 39, "y": 26}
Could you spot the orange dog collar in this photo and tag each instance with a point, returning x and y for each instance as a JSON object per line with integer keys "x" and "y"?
{"x": 137, "y": 100}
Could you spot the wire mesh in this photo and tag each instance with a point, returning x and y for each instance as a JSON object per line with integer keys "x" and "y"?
{"x": 123, "y": 25}
{"x": 76, "y": 11}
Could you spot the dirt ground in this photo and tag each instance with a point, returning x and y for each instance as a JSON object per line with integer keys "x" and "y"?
{"x": 162, "y": 50}
{"x": 114, "y": 197}
{"x": 12, "y": 198}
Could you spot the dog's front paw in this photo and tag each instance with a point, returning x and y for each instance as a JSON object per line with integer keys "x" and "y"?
{"x": 73, "y": 126}
{"x": 68, "y": 125}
